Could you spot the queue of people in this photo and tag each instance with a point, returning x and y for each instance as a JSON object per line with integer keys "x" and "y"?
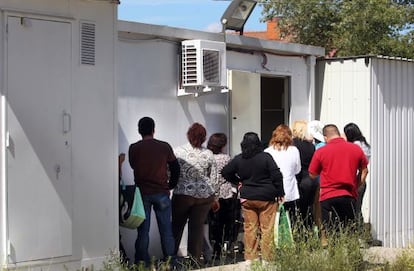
{"x": 321, "y": 186}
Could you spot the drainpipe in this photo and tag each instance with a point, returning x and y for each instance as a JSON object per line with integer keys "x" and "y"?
{"x": 311, "y": 62}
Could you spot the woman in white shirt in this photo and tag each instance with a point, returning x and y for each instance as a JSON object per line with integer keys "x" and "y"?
{"x": 287, "y": 157}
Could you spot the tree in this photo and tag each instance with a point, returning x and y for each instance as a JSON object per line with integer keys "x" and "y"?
{"x": 348, "y": 27}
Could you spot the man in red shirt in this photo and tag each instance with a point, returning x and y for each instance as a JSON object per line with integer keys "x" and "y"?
{"x": 342, "y": 167}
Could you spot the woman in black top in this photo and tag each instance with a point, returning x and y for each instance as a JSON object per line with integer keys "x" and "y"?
{"x": 261, "y": 190}
{"x": 307, "y": 186}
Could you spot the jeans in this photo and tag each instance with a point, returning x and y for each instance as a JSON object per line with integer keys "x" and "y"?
{"x": 162, "y": 208}
{"x": 358, "y": 206}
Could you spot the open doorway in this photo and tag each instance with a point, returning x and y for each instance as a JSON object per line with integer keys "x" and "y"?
{"x": 275, "y": 105}
{"x": 258, "y": 104}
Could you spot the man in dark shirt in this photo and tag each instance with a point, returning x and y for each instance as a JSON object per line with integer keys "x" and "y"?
{"x": 150, "y": 160}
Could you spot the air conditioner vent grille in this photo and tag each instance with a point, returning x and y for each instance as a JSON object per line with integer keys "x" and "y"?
{"x": 189, "y": 62}
{"x": 211, "y": 66}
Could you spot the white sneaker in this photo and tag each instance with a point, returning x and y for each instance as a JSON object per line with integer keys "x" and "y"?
{"x": 250, "y": 264}
{"x": 247, "y": 265}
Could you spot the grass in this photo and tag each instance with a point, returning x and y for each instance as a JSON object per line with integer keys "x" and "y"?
{"x": 343, "y": 253}
{"x": 403, "y": 262}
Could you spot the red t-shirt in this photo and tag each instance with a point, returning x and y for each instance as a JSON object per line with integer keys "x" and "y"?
{"x": 149, "y": 159}
{"x": 338, "y": 163}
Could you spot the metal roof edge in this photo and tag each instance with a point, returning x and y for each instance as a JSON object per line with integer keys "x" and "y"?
{"x": 162, "y": 31}
{"x": 287, "y": 48}
{"x": 131, "y": 30}
{"x": 364, "y": 56}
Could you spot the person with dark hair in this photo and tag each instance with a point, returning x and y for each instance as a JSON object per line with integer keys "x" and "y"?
{"x": 151, "y": 159}
{"x": 222, "y": 223}
{"x": 196, "y": 191}
{"x": 353, "y": 134}
{"x": 338, "y": 163}
{"x": 262, "y": 189}
{"x": 287, "y": 157}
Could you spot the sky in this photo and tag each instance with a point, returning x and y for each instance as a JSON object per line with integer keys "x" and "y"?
{"x": 190, "y": 14}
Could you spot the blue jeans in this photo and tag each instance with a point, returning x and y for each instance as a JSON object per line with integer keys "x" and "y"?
{"x": 162, "y": 208}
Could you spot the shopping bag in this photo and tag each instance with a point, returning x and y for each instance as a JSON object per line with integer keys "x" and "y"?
{"x": 283, "y": 229}
{"x": 132, "y": 212}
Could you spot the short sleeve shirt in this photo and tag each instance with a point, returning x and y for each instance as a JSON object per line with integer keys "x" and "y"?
{"x": 337, "y": 163}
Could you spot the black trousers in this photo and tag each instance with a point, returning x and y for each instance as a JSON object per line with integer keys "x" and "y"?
{"x": 195, "y": 211}
{"x": 223, "y": 225}
{"x": 307, "y": 191}
{"x": 338, "y": 212}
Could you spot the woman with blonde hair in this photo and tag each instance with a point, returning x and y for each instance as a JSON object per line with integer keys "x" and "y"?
{"x": 287, "y": 157}
{"x": 307, "y": 187}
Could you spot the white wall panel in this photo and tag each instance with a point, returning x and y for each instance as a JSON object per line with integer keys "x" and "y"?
{"x": 346, "y": 94}
{"x": 393, "y": 151}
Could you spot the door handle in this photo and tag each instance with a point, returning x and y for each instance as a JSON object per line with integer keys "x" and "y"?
{"x": 67, "y": 122}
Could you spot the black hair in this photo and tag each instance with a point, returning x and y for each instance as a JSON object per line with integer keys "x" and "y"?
{"x": 146, "y": 126}
{"x": 353, "y": 133}
{"x": 251, "y": 145}
{"x": 216, "y": 142}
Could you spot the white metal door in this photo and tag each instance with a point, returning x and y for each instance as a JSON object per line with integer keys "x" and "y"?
{"x": 245, "y": 106}
{"x": 39, "y": 150}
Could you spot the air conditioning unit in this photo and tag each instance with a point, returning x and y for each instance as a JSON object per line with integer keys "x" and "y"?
{"x": 203, "y": 65}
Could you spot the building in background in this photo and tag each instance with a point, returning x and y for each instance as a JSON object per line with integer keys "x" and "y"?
{"x": 272, "y": 31}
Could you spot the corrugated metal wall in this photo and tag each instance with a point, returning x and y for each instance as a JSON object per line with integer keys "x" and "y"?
{"x": 392, "y": 169}
{"x": 377, "y": 94}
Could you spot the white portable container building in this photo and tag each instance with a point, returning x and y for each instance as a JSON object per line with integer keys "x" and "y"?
{"x": 58, "y": 119}
{"x": 266, "y": 83}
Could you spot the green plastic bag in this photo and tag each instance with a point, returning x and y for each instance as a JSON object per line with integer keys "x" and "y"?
{"x": 132, "y": 212}
{"x": 283, "y": 229}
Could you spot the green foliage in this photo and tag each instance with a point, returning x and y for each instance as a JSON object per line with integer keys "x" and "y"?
{"x": 342, "y": 253}
{"x": 351, "y": 27}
